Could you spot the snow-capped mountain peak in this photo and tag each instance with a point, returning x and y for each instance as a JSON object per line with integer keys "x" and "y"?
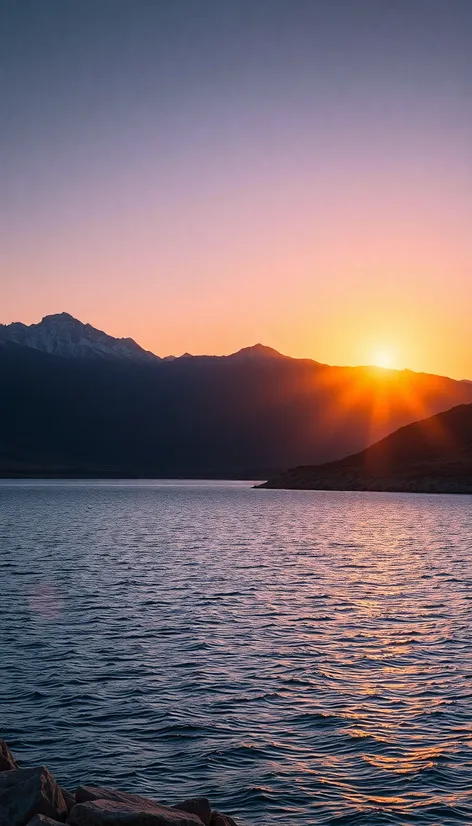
{"x": 63, "y": 335}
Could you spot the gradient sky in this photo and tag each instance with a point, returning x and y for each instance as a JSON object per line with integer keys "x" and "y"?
{"x": 204, "y": 175}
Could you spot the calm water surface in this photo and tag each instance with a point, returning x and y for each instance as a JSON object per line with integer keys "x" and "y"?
{"x": 299, "y": 657}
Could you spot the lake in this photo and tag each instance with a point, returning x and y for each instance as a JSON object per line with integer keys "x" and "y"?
{"x": 300, "y": 657}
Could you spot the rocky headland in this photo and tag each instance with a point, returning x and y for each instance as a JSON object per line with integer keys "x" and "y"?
{"x": 433, "y": 455}
{"x": 32, "y": 797}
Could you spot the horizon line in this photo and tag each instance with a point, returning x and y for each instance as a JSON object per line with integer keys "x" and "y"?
{"x": 271, "y": 351}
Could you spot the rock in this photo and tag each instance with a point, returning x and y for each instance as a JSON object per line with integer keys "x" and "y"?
{"x": 41, "y": 820}
{"x": 84, "y": 794}
{"x": 118, "y": 813}
{"x": 218, "y": 819}
{"x": 69, "y": 799}
{"x": 7, "y": 761}
{"x": 199, "y": 806}
{"x": 25, "y": 793}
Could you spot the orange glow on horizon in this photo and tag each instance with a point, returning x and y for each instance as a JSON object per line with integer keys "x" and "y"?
{"x": 271, "y": 203}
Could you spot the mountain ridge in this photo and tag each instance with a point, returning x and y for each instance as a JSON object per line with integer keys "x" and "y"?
{"x": 55, "y": 334}
{"x": 63, "y": 335}
{"x": 247, "y": 415}
{"x": 432, "y": 455}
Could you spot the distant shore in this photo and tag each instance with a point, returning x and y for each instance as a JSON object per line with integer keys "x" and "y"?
{"x": 59, "y": 472}
{"x": 432, "y": 455}
{"x": 350, "y": 479}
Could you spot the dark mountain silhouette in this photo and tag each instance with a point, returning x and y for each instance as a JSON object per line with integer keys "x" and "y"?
{"x": 433, "y": 455}
{"x": 257, "y": 352}
{"x": 248, "y": 415}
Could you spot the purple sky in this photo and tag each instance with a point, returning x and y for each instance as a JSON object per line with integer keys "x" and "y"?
{"x": 204, "y": 175}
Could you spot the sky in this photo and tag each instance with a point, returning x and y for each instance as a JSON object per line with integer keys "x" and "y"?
{"x": 203, "y": 175}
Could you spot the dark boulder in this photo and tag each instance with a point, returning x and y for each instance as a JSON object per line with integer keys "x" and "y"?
{"x": 217, "y": 819}
{"x": 7, "y": 761}
{"x": 199, "y": 806}
{"x": 84, "y": 794}
{"x": 117, "y": 813}
{"x": 25, "y": 793}
{"x": 69, "y": 798}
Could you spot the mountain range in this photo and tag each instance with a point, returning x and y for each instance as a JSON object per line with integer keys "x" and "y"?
{"x": 78, "y": 402}
{"x": 63, "y": 335}
{"x": 433, "y": 455}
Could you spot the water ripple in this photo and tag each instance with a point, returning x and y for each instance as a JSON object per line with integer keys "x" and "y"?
{"x": 300, "y": 657}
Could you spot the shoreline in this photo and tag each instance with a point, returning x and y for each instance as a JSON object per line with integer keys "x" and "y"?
{"x": 427, "y": 488}
{"x": 32, "y": 797}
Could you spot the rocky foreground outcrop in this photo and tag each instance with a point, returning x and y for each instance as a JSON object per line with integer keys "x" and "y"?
{"x": 32, "y": 797}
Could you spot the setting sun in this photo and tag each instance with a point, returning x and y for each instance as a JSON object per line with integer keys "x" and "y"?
{"x": 383, "y": 359}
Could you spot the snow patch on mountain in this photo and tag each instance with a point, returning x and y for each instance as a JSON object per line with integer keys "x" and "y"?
{"x": 63, "y": 335}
